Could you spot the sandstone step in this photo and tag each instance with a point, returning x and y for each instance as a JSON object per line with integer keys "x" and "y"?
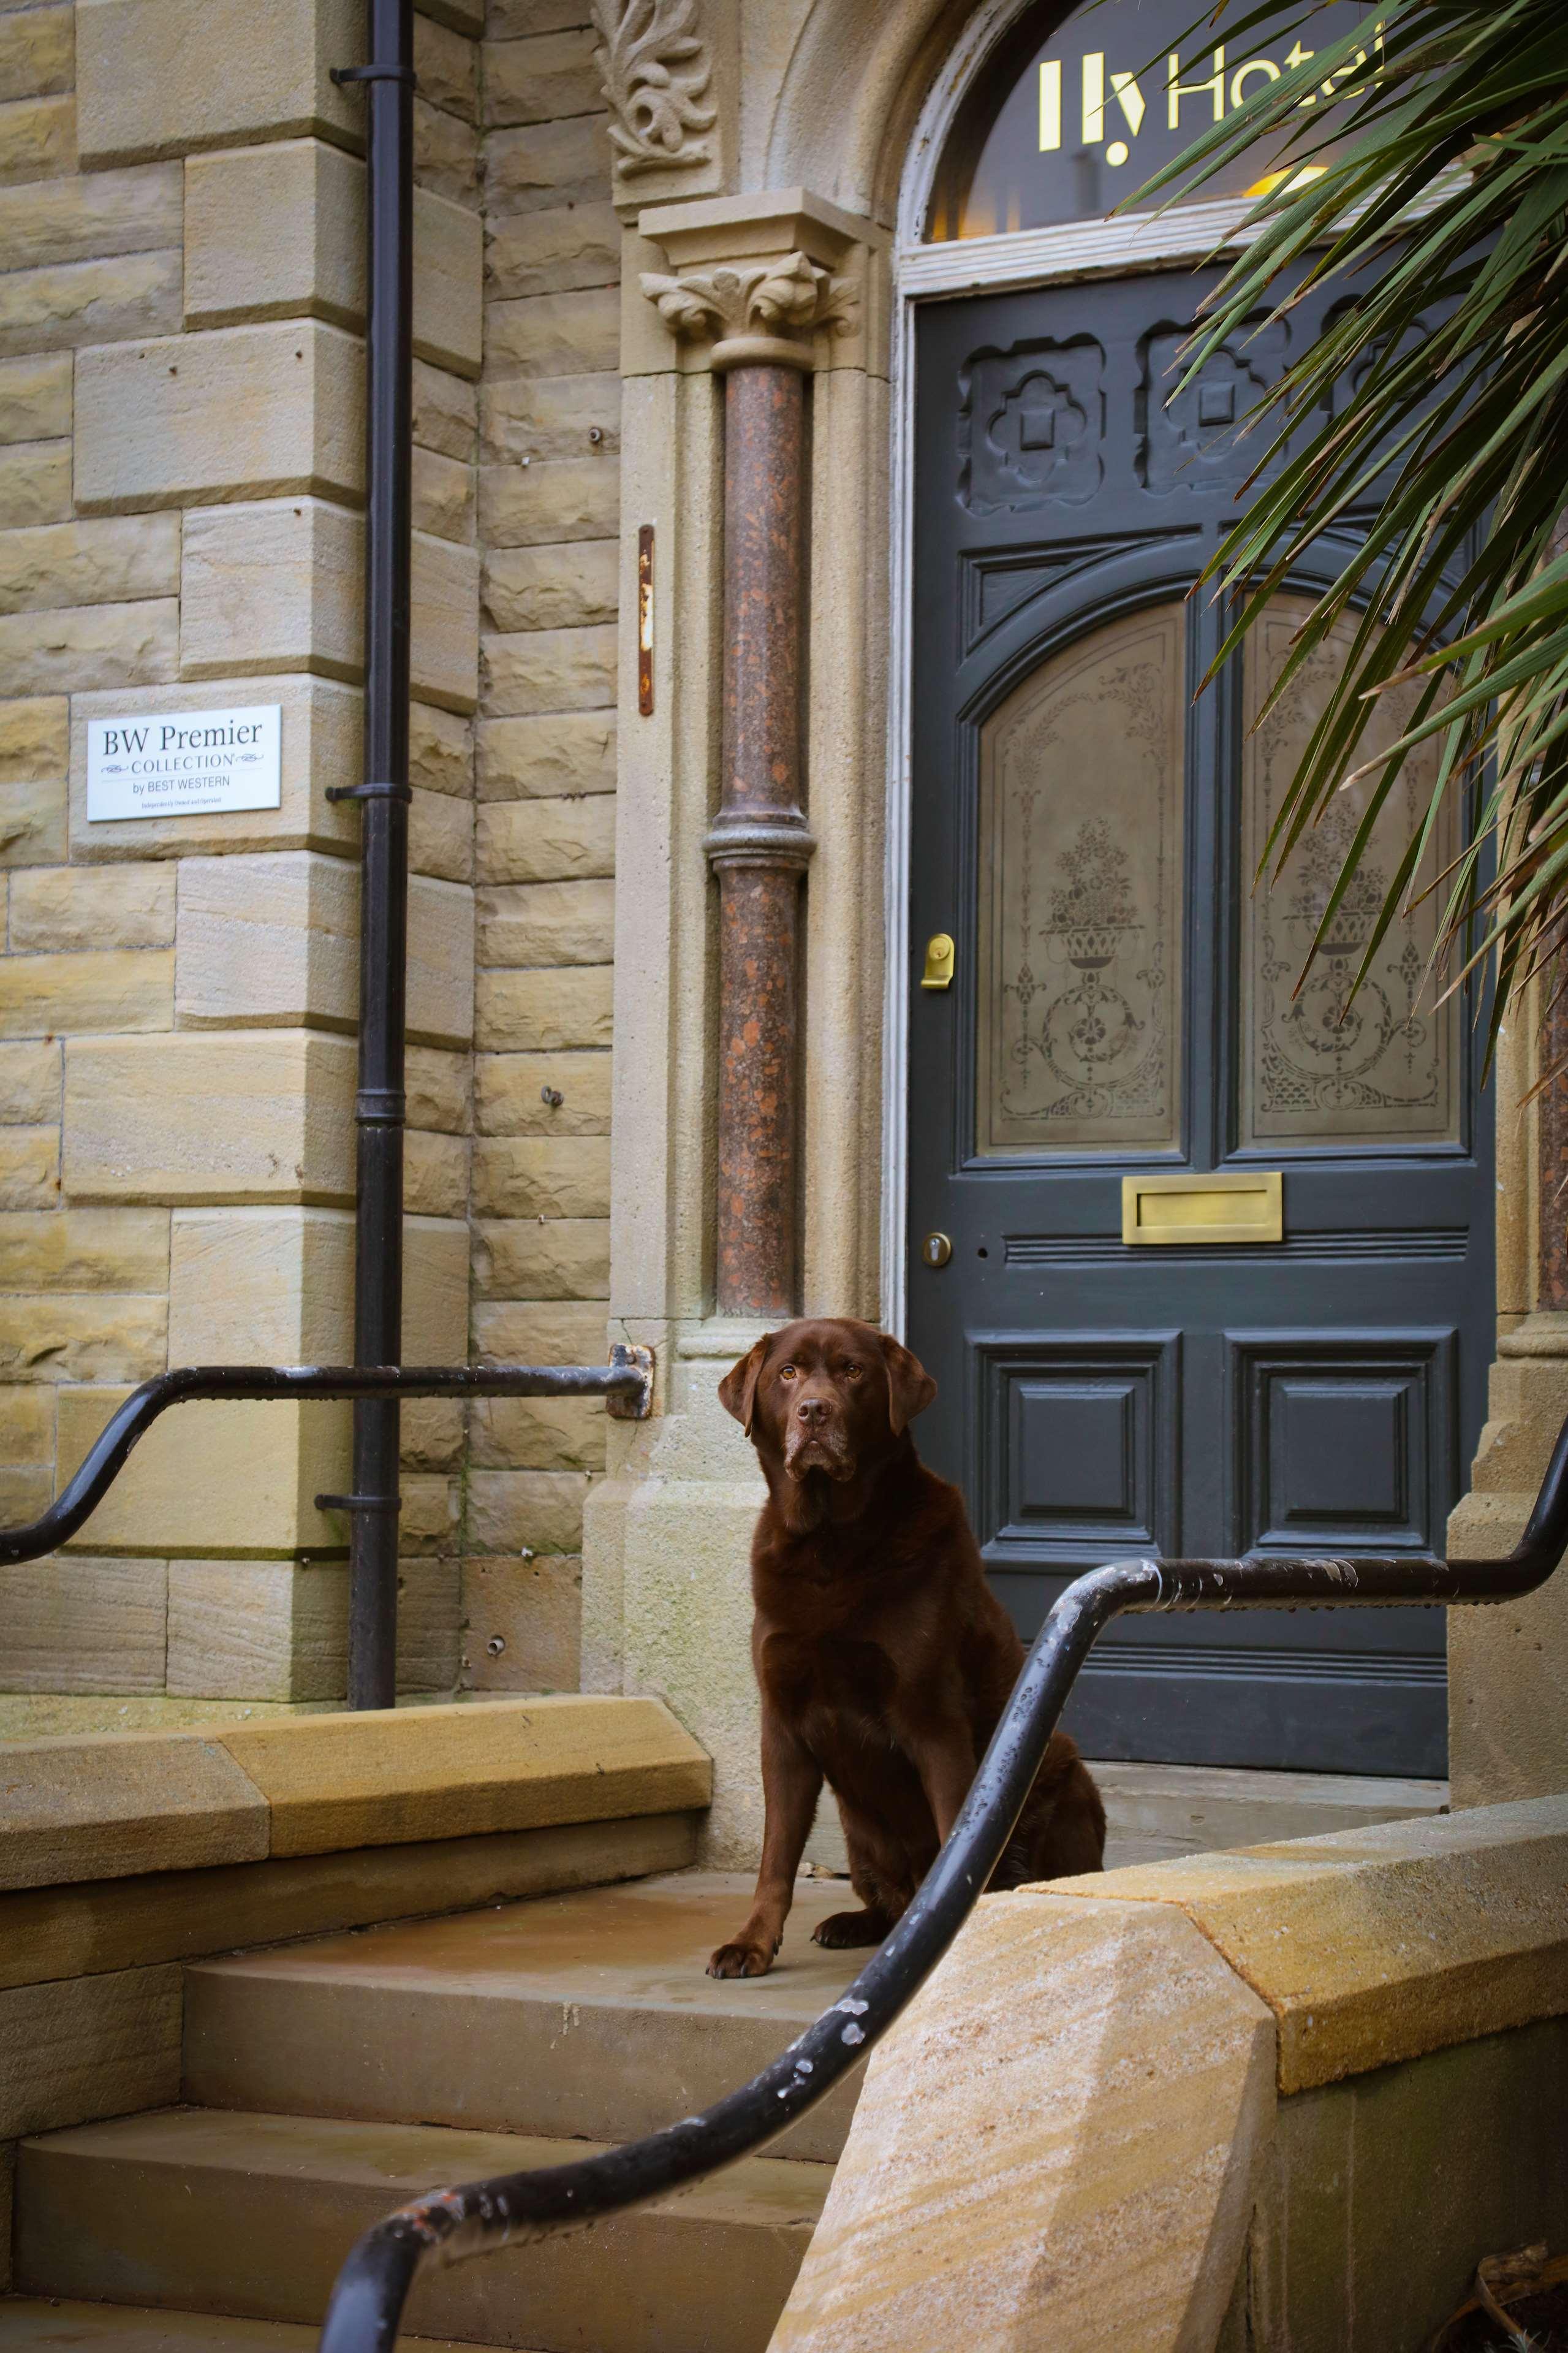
{"x": 53, "y": 2325}
{"x": 586, "y": 2013}
{"x": 252, "y": 2215}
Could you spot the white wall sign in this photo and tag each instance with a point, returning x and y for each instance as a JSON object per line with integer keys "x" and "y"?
{"x": 184, "y": 763}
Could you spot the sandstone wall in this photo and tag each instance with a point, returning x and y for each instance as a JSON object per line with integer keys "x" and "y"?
{"x": 181, "y": 452}
{"x": 549, "y": 518}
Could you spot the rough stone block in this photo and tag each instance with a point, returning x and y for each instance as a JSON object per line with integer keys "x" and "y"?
{"x": 320, "y": 747}
{"x": 557, "y": 251}
{"x": 563, "y": 587}
{"x": 541, "y": 671}
{"x": 542, "y": 1177}
{"x": 445, "y": 622}
{"x": 167, "y": 77}
{"x": 277, "y": 1285}
{"x": 38, "y": 52}
{"x": 441, "y": 836}
{"x": 87, "y": 646}
{"x": 254, "y": 1115}
{"x": 92, "y": 2046}
{"x": 550, "y": 1258}
{"x": 76, "y": 302}
{"x": 429, "y": 1623}
{"x": 35, "y": 484}
{"x": 542, "y": 503}
{"x": 438, "y": 1089}
{"x": 85, "y": 1250}
{"x": 537, "y": 1434}
{"x": 535, "y": 924}
{"x": 550, "y": 416}
{"x": 434, "y": 1173}
{"x": 117, "y": 559}
{"x": 37, "y": 138}
{"x": 97, "y": 1336}
{"x": 514, "y": 20}
{"x": 543, "y": 80}
{"x": 554, "y": 164}
{"x": 263, "y": 1629}
{"x": 123, "y": 1802}
{"x": 428, "y": 1522}
{"x": 552, "y": 755}
{"x": 522, "y": 1624}
{"x": 30, "y": 1083}
{"x": 447, "y": 65}
{"x": 110, "y": 989}
{"x": 29, "y": 1167}
{"x": 275, "y": 1457}
{"x": 35, "y": 398}
{"x": 33, "y": 822}
{"x": 537, "y": 1511}
{"x": 268, "y": 942}
{"x": 443, "y": 496}
{"x": 236, "y": 413}
{"x": 546, "y": 840}
{"x": 446, "y": 413}
{"x": 34, "y": 738}
{"x": 531, "y": 1012}
{"x": 540, "y": 1332}
{"x": 275, "y": 585}
{"x": 433, "y": 1434}
{"x": 84, "y": 1625}
{"x": 509, "y": 1095}
{"x": 93, "y": 907}
{"x": 440, "y": 751}
{"x": 279, "y": 230}
{"x": 446, "y": 155}
{"x": 91, "y": 217}
{"x": 556, "y": 334}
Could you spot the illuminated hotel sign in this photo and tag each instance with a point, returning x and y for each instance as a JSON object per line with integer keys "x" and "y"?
{"x": 1068, "y": 123}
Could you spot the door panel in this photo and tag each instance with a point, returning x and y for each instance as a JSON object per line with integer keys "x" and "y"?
{"x": 1085, "y": 825}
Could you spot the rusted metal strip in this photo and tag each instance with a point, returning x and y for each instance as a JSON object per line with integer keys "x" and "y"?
{"x": 645, "y": 620}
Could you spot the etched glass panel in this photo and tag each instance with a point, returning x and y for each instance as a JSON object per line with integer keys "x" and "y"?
{"x": 1383, "y": 1069}
{"x": 1080, "y": 885}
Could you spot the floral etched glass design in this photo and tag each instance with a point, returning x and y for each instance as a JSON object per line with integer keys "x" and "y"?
{"x": 1079, "y": 1009}
{"x": 1382, "y": 1069}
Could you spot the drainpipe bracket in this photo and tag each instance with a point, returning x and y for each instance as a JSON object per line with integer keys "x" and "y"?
{"x": 369, "y": 793}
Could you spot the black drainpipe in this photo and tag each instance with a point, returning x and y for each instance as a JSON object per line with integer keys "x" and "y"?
{"x": 374, "y": 1503}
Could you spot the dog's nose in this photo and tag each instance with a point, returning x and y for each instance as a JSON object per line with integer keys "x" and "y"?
{"x": 812, "y": 1410}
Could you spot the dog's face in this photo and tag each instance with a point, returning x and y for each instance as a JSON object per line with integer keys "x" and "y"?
{"x": 826, "y": 1396}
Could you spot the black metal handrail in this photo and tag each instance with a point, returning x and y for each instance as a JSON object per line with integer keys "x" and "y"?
{"x": 372, "y": 2286}
{"x": 628, "y": 1376}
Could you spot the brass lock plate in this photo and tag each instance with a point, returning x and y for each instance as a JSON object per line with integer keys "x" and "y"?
{"x": 941, "y": 957}
{"x": 1219, "y": 1206}
{"x": 935, "y": 1250}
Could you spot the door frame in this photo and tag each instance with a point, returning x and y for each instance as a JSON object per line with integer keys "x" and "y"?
{"x": 1179, "y": 239}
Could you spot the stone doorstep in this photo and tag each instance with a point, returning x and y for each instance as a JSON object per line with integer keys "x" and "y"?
{"x": 129, "y": 1803}
{"x": 52, "y": 2325}
{"x": 254, "y": 2214}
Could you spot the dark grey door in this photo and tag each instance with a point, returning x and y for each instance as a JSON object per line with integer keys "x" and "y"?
{"x": 1119, "y": 1102}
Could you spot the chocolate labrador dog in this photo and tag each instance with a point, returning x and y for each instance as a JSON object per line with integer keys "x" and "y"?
{"x": 883, "y": 1657}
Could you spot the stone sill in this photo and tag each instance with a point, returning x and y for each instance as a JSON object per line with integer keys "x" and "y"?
{"x": 119, "y": 1804}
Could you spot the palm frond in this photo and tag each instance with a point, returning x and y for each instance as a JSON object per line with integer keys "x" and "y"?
{"x": 1439, "y": 200}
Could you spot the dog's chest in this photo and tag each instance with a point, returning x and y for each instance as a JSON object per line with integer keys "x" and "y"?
{"x": 831, "y": 1688}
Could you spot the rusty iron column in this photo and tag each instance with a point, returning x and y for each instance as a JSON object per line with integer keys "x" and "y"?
{"x": 760, "y": 844}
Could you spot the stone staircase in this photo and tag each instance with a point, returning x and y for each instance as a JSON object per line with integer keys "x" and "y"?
{"x": 328, "y": 2082}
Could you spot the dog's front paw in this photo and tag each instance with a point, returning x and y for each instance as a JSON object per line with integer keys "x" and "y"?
{"x": 741, "y": 1960}
{"x": 844, "y": 1931}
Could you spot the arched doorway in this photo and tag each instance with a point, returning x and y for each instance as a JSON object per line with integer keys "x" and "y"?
{"x": 1201, "y": 1266}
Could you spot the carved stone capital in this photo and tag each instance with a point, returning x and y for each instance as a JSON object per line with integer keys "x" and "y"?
{"x": 763, "y": 311}
{"x": 655, "y": 68}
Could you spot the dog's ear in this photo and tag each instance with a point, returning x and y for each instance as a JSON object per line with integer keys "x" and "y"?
{"x": 738, "y": 1390}
{"x": 911, "y": 1388}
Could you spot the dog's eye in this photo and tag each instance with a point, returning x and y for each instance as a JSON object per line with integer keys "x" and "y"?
{"x": 853, "y": 1372}
{"x": 786, "y": 1372}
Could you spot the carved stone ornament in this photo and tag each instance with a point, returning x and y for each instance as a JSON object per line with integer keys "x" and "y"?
{"x": 761, "y": 311}
{"x": 655, "y": 69}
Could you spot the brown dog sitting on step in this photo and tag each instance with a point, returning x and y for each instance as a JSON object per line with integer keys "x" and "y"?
{"x": 883, "y": 1657}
